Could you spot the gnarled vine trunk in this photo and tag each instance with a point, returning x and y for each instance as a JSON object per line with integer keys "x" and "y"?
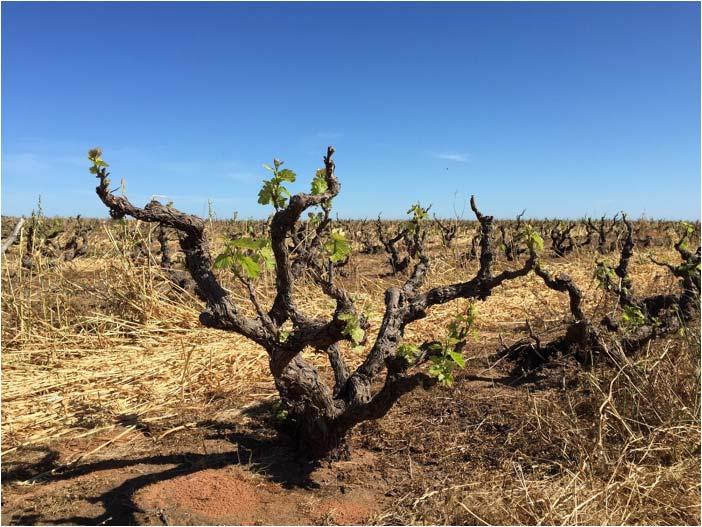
{"x": 318, "y": 415}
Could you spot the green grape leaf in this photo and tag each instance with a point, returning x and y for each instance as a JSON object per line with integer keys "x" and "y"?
{"x": 352, "y": 327}
{"x": 265, "y": 195}
{"x": 319, "y": 182}
{"x": 94, "y": 153}
{"x": 435, "y": 346}
{"x": 337, "y": 246}
{"x": 267, "y": 256}
{"x": 247, "y": 243}
{"x": 357, "y": 334}
{"x": 605, "y": 276}
{"x": 272, "y": 191}
{"x": 534, "y": 240}
{"x": 418, "y": 212}
{"x": 689, "y": 228}
{"x": 286, "y": 175}
{"x": 224, "y": 261}
{"x": 315, "y": 219}
{"x": 95, "y": 156}
{"x": 632, "y": 317}
{"x": 457, "y": 358}
{"x": 409, "y": 352}
{"x": 441, "y": 370}
{"x": 249, "y": 266}
{"x": 246, "y": 256}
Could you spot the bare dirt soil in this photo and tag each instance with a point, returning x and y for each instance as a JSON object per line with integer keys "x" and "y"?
{"x": 454, "y": 450}
{"x": 223, "y": 473}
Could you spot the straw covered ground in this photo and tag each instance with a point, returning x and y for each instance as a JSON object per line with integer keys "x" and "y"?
{"x": 119, "y": 407}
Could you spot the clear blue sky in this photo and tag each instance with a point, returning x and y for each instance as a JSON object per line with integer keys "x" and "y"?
{"x": 562, "y": 109}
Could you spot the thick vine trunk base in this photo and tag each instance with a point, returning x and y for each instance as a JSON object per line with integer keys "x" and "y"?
{"x": 581, "y": 342}
{"x": 318, "y": 439}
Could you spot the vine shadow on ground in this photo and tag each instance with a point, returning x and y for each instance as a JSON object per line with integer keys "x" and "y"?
{"x": 272, "y": 456}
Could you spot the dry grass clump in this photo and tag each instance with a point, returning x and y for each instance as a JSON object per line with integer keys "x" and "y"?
{"x": 630, "y": 441}
{"x": 616, "y": 445}
{"x": 102, "y": 341}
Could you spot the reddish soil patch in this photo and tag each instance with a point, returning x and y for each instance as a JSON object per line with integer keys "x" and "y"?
{"x": 345, "y": 511}
{"x": 234, "y": 496}
{"x": 153, "y": 492}
{"x": 214, "y": 494}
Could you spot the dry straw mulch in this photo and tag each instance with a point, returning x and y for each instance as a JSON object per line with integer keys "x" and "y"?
{"x": 95, "y": 343}
{"x": 102, "y": 347}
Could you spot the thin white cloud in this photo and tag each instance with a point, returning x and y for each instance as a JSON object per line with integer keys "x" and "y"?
{"x": 459, "y": 158}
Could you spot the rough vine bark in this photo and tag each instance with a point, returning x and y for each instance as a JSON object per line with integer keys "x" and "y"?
{"x": 319, "y": 416}
{"x": 398, "y": 263}
{"x": 77, "y": 245}
{"x": 307, "y": 239}
{"x": 513, "y": 244}
{"x": 561, "y": 241}
{"x": 656, "y": 315}
{"x": 474, "y": 242}
{"x": 643, "y": 319}
{"x": 367, "y": 241}
{"x": 603, "y": 230}
{"x": 180, "y": 278}
{"x": 41, "y": 239}
{"x": 163, "y": 245}
{"x": 448, "y": 231}
{"x": 582, "y": 339}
